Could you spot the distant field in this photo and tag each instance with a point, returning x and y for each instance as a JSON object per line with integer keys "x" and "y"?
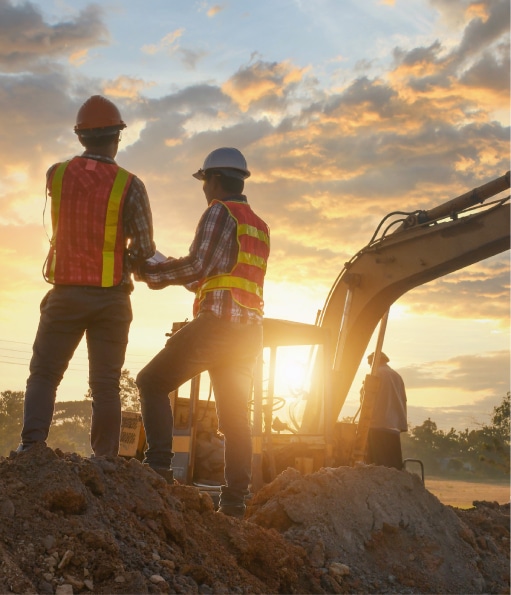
{"x": 461, "y": 494}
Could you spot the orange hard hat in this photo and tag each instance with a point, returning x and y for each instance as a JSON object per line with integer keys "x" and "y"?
{"x": 98, "y": 116}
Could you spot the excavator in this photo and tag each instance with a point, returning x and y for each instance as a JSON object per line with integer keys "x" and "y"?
{"x": 301, "y": 428}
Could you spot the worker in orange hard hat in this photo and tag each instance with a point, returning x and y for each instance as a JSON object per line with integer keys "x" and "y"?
{"x": 98, "y": 117}
{"x": 389, "y": 416}
{"x": 102, "y": 226}
{"x": 225, "y": 268}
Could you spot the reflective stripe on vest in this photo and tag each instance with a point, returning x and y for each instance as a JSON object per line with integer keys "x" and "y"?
{"x": 109, "y": 275}
{"x": 245, "y": 281}
{"x": 112, "y": 218}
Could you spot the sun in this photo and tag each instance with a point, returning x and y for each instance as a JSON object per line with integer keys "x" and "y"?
{"x": 288, "y": 389}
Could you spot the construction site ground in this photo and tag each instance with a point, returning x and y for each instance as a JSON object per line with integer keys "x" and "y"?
{"x": 70, "y": 524}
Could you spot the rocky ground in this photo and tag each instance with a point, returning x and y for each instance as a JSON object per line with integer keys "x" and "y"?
{"x": 74, "y": 525}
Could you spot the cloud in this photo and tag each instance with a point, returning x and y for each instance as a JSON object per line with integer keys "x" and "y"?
{"x": 167, "y": 44}
{"x": 456, "y": 14}
{"x": 490, "y": 72}
{"x": 126, "y": 87}
{"x": 474, "y": 73}
{"x": 190, "y": 58}
{"x": 35, "y": 110}
{"x": 79, "y": 57}
{"x": 263, "y": 85}
{"x": 472, "y": 373}
{"x": 26, "y": 40}
{"x": 468, "y": 416}
{"x": 485, "y": 28}
{"x": 453, "y": 294}
{"x": 214, "y": 10}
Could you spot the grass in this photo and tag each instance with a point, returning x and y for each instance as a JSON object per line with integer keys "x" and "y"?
{"x": 461, "y": 494}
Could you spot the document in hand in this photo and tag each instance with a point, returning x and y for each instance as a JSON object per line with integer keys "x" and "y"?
{"x": 156, "y": 258}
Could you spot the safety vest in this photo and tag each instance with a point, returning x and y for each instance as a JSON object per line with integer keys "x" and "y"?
{"x": 88, "y": 243}
{"x": 245, "y": 280}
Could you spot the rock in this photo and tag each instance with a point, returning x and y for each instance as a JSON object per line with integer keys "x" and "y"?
{"x": 338, "y": 570}
{"x": 68, "y": 554}
{"x": 49, "y": 542}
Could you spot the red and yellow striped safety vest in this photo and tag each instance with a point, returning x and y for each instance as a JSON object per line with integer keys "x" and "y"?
{"x": 88, "y": 243}
{"x": 245, "y": 280}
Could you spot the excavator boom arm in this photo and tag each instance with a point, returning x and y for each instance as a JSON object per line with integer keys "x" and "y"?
{"x": 382, "y": 272}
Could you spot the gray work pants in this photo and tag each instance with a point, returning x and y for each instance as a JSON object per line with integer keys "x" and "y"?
{"x": 68, "y": 313}
{"x": 228, "y": 351}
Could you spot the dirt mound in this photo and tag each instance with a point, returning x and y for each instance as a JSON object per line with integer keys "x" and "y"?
{"x": 75, "y": 525}
{"x": 380, "y": 531}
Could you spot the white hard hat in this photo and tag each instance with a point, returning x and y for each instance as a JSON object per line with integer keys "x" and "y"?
{"x": 226, "y": 160}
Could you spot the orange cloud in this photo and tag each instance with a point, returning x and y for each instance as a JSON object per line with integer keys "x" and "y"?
{"x": 79, "y": 57}
{"x": 126, "y": 87}
{"x": 261, "y": 81}
{"x": 477, "y": 10}
{"x": 214, "y": 10}
{"x": 166, "y": 43}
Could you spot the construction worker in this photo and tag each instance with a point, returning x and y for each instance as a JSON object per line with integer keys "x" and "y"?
{"x": 225, "y": 268}
{"x": 389, "y": 417}
{"x": 101, "y": 222}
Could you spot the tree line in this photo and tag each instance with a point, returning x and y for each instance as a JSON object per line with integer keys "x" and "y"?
{"x": 70, "y": 427}
{"x": 482, "y": 453}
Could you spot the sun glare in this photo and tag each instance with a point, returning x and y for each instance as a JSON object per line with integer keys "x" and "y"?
{"x": 291, "y": 383}
{"x": 398, "y": 312}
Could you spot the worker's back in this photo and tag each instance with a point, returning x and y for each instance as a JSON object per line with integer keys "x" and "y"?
{"x": 390, "y": 406}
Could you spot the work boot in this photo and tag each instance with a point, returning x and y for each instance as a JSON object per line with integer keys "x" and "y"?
{"x": 24, "y": 447}
{"x": 165, "y": 472}
{"x": 234, "y": 510}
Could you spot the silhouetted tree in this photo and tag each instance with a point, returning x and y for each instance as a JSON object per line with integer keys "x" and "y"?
{"x": 496, "y": 439}
{"x": 128, "y": 392}
{"x": 70, "y": 429}
{"x": 11, "y": 420}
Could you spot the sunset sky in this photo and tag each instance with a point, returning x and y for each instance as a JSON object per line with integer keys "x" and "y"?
{"x": 345, "y": 110}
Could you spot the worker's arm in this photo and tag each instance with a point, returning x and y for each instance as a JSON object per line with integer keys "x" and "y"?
{"x": 209, "y": 254}
{"x": 138, "y": 222}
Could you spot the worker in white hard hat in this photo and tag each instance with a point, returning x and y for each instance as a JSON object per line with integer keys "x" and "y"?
{"x": 389, "y": 416}
{"x": 101, "y": 220}
{"x": 225, "y": 268}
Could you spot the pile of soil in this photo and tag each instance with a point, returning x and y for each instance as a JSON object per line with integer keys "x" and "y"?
{"x": 74, "y": 525}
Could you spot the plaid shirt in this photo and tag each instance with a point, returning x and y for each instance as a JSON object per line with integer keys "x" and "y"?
{"x": 214, "y": 251}
{"x": 137, "y": 223}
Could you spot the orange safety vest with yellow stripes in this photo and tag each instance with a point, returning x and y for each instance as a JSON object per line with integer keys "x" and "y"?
{"x": 88, "y": 243}
{"x": 245, "y": 280}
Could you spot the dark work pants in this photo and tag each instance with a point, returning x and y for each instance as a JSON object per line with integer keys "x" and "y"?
{"x": 228, "y": 351}
{"x": 67, "y": 313}
{"x": 384, "y": 448}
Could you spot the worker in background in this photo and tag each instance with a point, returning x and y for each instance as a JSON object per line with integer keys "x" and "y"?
{"x": 389, "y": 417}
{"x": 225, "y": 268}
{"x": 101, "y": 221}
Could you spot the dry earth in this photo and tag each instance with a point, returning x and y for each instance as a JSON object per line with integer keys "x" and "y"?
{"x": 75, "y": 525}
